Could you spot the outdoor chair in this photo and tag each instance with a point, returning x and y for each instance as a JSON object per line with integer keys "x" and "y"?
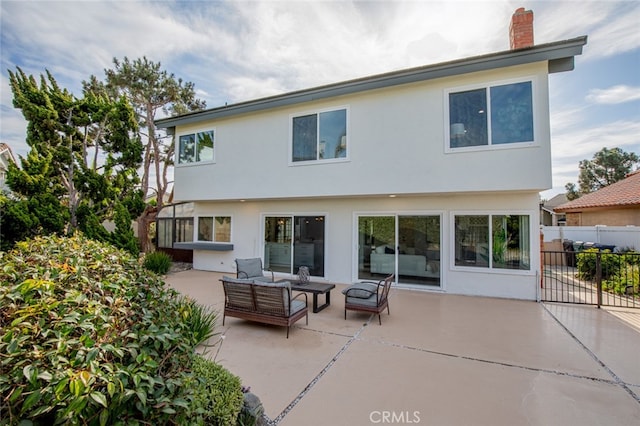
{"x": 252, "y": 269}
{"x": 368, "y": 296}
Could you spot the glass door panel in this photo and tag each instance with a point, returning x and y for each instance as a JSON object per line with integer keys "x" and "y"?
{"x": 419, "y": 250}
{"x": 277, "y": 243}
{"x": 308, "y": 245}
{"x": 376, "y": 246}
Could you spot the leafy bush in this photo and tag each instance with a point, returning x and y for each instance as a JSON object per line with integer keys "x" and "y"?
{"x": 88, "y": 336}
{"x": 218, "y": 396}
{"x": 627, "y": 276}
{"x": 158, "y": 262}
{"x": 200, "y": 321}
{"x": 586, "y": 263}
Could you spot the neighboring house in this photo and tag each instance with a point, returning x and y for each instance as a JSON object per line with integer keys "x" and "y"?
{"x": 615, "y": 205}
{"x": 432, "y": 173}
{"x": 6, "y": 156}
{"x": 548, "y": 217}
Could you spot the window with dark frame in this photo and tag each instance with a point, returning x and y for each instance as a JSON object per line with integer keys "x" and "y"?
{"x": 492, "y": 115}
{"x": 319, "y": 136}
{"x": 196, "y": 147}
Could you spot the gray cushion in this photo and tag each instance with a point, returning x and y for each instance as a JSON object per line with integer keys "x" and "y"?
{"x": 261, "y": 280}
{"x": 361, "y": 290}
{"x": 251, "y": 267}
{"x": 269, "y": 283}
{"x": 371, "y": 301}
{"x": 297, "y": 305}
{"x": 236, "y": 280}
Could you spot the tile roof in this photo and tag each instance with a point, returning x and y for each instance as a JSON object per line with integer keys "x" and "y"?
{"x": 622, "y": 193}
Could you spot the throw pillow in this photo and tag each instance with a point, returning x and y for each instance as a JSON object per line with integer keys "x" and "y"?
{"x": 361, "y": 290}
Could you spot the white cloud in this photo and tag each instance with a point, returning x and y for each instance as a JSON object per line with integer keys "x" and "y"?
{"x": 614, "y": 95}
{"x": 611, "y": 26}
{"x": 581, "y": 143}
{"x": 237, "y": 51}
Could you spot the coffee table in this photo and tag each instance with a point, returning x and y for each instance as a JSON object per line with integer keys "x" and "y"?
{"x": 315, "y": 288}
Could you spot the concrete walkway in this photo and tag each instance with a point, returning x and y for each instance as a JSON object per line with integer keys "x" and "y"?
{"x": 438, "y": 359}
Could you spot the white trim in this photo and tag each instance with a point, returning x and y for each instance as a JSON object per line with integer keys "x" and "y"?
{"x": 488, "y": 85}
{"x": 533, "y": 240}
{"x": 397, "y": 214}
{"x": 317, "y": 112}
{"x": 194, "y": 132}
{"x": 196, "y": 228}
{"x": 261, "y": 241}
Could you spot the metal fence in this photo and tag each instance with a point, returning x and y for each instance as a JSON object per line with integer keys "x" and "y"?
{"x": 591, "y": 277}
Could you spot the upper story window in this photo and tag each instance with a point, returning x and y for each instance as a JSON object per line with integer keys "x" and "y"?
{"x": 491, "y": 115}
{"x": 196, "y": 147}
{"x": 214, "y": 228}
{"x": 319, "y": 136}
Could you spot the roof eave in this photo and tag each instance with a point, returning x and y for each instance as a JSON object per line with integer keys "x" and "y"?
{"x": 560, "y": 57}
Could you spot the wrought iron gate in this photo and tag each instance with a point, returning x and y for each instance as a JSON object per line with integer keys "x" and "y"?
{"x": 591, "y": 277}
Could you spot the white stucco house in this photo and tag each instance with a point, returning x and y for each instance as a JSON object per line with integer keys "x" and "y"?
{"x": 6, "y": 157}
{"x": 432, "y": 173}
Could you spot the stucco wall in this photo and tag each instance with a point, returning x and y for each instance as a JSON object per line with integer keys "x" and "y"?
{"x": 610, "y": 217}
{"x": 396, "y": 145}
{"x": 341, "y": 236}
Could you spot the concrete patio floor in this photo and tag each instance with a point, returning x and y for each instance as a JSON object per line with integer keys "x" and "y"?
{"x": 437, "y": 359}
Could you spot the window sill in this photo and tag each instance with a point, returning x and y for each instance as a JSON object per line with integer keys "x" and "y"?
{"x": 204, "y": 246}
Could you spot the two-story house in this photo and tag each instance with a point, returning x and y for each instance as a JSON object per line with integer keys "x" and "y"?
{"x": 432, "y": 173}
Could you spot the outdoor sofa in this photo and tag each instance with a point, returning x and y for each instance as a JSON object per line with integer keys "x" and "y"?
{"x": 264, "y": 302}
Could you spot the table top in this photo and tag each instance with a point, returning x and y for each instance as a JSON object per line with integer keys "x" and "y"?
{"x": 311, "y": 286}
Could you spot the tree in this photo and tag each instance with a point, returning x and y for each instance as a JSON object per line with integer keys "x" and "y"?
{"x": 607, "y": 166}
{"x": 151, "y": 90}
{"x": 572, "y": 191}
{"x": 83, "y": 161}
{"x": 37, "y": 210}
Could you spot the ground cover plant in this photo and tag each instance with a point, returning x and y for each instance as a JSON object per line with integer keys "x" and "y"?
{"x": 89, "y": 336}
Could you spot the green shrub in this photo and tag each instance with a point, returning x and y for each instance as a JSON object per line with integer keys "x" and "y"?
{"x": 200, "y": 321}
{"x": 628, "y": 276}
{"x": 158, "y": 262}
{"x": 218, "y": 396}
{"x": 586, "y": 263}
{"x": 88, "y": 336}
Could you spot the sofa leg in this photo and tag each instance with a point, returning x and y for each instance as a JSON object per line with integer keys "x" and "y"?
{"x": 288, "y": 332}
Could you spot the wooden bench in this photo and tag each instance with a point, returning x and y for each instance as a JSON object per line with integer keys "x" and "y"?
{"x": 265, "y": 302}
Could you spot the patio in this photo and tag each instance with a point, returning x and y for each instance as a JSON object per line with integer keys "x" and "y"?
{"x": 438, "y": 359}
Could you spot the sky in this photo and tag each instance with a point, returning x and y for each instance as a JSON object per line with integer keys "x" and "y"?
{"x": 236, "y": 51}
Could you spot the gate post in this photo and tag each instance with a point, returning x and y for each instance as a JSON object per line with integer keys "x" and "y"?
{"x": 599, "y": 278}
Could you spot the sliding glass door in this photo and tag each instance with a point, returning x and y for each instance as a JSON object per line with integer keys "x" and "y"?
{"x": 406, "y": 245}
{"x": 294, "y": 241}
{"x": 376, "y": 245}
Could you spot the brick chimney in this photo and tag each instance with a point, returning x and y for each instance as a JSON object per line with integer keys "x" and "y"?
{"x": 521, "y": 29}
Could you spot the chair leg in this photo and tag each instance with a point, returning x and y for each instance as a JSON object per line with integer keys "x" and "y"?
{"x": 380, "y": 319}
{"x": 345, "y": 313}
{"x": 288, "y": 332}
